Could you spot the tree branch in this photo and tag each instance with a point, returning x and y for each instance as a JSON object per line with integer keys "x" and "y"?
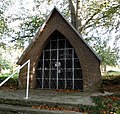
{"x": 94, "y": 14}
{"x": 82, "y": 27}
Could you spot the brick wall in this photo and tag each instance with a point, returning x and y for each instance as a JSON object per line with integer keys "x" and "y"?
{"x": 89, "y": 62}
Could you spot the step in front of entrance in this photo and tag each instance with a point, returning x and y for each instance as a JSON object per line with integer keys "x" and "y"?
{"x": 22, "y": 106}
{"x": 13, "y": 109}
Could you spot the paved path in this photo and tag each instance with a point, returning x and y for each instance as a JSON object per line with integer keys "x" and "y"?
{"x": 72, "y": 98}
{"x": 68, "y": 100}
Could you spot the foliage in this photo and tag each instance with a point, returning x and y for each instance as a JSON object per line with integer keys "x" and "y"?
{"x": 113, "y": 73}
{"x": 111, "y": 83}
{"x": 107, "y": 104}
{"x": 5, "y": 75}
{"x": 3, "y": 21}
{"x": 104, "y": 105}
{"x": 12, "y": 81}
{"x": 27, "y": 30}
{"x": 111, "y": 80}
{"x": 97, "y": 19}
{"x": 97, "y": 13}
{"x": 4, "y": 64}
{"x": 109, "y": 55}
{"x": 2, "y": 24}
{"x": 8, "y": 60}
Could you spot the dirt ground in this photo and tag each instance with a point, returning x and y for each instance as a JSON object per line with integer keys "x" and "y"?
{"x": 112, "y": 88}
{"x": 109, "y": 88}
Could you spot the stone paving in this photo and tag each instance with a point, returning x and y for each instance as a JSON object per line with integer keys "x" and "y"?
{"x": 72, "y": 98}
{"x": 16, "y": 100}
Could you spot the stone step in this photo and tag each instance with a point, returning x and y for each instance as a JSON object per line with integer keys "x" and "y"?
{"x": 43, "y": 98}
{"x": 14, "y": 109}
{"x": 31, "y": 102}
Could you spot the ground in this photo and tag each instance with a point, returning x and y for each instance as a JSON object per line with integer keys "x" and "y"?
{"x": 105, "y": 102}
{"x": 112, "y": 88}
{"x": 75, "y": 101}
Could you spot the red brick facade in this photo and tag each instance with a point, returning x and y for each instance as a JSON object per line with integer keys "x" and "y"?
{"x": 90, "y": 62}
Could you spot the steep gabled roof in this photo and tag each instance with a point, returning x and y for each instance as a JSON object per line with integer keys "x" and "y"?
{"x": 40, "y": 31}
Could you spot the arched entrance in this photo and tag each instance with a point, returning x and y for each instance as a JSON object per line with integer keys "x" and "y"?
{"x": 59, "y": 66}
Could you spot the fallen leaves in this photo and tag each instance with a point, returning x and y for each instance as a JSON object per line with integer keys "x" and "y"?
{"x": 67, "y": 90}
{"x": 56, "y": 108}
{"x": 114, "y": 98}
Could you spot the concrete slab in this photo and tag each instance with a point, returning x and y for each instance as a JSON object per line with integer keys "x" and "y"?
{"x": 52, "y": 98}
{"x": 71, "y": 98}
{"x": 10, "y": 109}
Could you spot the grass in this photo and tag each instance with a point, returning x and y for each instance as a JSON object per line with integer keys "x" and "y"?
{"x": 12, "y": 81}
{"x": 113, "y": 73}
{"x": 109, "y": 104}
{"x": 5, "y": 75}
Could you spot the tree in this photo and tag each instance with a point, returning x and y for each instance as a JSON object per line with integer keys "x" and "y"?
{"x": 97, "y": 19}
{"x": 3, "y": 25}
{"x": 109, "y": 56}
{"x": 4, "y": 63}
{"x": 27, "y": 30}
{"x": 100, "y": 18}
{"x": 4, "y": 4}
{"x": 94, "y": 14}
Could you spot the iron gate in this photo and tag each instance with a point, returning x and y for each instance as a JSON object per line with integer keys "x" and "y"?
{"x": 59, "y": 66}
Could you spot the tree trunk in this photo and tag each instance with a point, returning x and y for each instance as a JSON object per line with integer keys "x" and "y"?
{"x": 104, "y": 69}
{"x": 0, "y": 70}
{"x": 78, "y": 15}
{"x": 75, "y": 15}
{"x": 72, "y": 11}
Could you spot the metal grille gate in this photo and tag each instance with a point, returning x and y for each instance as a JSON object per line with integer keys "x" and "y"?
{"x": 59, "y": 66}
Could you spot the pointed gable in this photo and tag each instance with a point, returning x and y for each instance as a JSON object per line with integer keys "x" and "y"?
{"x": 58, "y": 21}
{"x": 57, "y": 24}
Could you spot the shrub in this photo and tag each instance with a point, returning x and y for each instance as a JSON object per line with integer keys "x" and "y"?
{"x": 111, "y": 80}
{"x": 11, "y": 82}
